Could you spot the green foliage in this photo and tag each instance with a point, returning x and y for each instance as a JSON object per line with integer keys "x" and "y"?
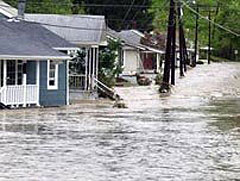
{"x": 121, "y": 15}
{"x": 224, "y": 12}
{"x": 46, "y": 6}
{"x": 110, "y": 67}
{"x": 77, "y": 64}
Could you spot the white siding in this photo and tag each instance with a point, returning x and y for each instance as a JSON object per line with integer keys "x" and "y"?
{"x": 131, "y": 62}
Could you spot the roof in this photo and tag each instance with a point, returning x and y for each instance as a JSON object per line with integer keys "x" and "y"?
{"x": 21, "y": 40}
{"x": 133, "y": 37}
{"x": 7, "y": 10}
{"x": 77, "y": 29}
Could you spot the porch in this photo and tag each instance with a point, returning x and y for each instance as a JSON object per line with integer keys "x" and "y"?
{"x": 19, "y": 83}
{"x": 83, "y": 73}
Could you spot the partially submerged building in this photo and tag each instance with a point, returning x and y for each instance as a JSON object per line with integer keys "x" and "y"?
{"x": 86, "y": 32}
{"x": 32, "y": 69}
{"x": 138, "y": 57}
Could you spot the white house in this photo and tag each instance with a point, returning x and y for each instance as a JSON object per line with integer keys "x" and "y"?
{"x": 138, "y": 57}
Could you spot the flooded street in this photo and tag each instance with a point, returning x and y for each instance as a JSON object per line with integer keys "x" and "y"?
{"x": 192, "y": 135}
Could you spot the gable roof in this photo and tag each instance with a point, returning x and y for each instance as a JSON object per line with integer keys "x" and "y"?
{"x": 133, "y": 37}
{"x": 77, "y": 29}
{"x": 21, "y": 40}
{"x": 7, "y": 10}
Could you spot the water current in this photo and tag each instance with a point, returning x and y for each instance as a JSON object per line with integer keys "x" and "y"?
{"x": 194, "y": 134}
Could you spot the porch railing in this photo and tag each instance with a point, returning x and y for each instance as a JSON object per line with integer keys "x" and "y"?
{"x": 77, "y": 82}
{"x": 19, "y": 95}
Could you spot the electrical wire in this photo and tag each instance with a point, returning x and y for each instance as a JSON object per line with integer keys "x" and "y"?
{"x": 211, "y": 21}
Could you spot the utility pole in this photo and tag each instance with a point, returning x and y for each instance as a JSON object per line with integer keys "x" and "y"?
{"x": 186, "y": 59}
{"x": 21, "y": 8}
{"x": 181, "y": 51}
{"x": 209, "y": 36}
{"x": 169, "y": 63}
{"x": 196, "y": 39}
{"x": 173, "y": 53}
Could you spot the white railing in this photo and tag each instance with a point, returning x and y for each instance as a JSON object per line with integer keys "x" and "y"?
{"x": 19, "y": 95}
{"x": 77, "y": 82}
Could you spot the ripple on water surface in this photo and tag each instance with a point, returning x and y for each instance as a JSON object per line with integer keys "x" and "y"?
{"x": 192, "y": 135}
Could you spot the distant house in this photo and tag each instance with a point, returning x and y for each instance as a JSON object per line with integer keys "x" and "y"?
{"x": 32, "y": 70}
{"x": 86, "y": 32}
{"x": 138, "y": 57}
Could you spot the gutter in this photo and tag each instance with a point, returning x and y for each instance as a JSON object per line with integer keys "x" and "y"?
{"x": 32, "y": 58}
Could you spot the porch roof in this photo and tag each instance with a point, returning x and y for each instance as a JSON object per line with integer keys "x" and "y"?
{"x": 17, "y": 42}
{"x": 77, "y": 29}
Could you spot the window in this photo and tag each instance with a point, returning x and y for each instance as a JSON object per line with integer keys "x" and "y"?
{"x": 15, "y": 72}
{"x": 52, "y": 75}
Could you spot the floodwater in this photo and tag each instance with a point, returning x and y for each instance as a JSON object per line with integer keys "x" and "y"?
{"x": 192, "y": 135}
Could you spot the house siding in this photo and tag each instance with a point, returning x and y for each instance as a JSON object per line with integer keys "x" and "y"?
{"x": 131, "y": 62}
{"x": 53, "y": 97}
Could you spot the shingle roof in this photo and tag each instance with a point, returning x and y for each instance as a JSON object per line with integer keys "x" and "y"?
{"x": 133, "y": 37}
{"x": 78, "y": 29}
{"x": 21, "y": 39}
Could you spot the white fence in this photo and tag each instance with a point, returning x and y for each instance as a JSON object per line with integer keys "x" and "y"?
{"x": 19, "y": 95}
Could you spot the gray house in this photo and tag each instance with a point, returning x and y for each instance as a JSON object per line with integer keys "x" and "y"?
{"x": 86, "y": 32}
{"x": 32, "y": 70}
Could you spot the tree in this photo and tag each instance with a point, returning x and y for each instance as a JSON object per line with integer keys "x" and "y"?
{"x": 224, "y": 12}
{"x": 110, "y": 67}
{"x": 45, "y": 6}
{"x": 122, "y": 15}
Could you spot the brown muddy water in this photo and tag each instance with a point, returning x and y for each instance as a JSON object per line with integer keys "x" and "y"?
{"x": 192, "y": 135}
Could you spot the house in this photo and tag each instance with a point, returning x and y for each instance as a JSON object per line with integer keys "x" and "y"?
{"x": 32, "y": 70}
{"x": 138, "y": 57}
{"x": 86, "y": 32}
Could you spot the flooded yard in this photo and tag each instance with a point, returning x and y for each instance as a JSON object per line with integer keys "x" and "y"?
{"x": 192, "y": 135}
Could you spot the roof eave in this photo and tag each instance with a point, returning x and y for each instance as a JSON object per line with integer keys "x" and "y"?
{"x": 26, "y": 57}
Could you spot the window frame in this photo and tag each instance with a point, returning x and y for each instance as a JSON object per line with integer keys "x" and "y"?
{"x": 52, "y": 87}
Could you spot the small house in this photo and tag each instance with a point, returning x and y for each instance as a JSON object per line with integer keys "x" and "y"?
{"x": 138, "y": 57}
{"x": 32, "y": 70}
{"x": 87, "y": 32}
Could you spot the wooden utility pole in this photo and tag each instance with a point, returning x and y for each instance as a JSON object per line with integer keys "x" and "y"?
{"x": 186, "y": 59}
{"x": 181, "y": 51}
{"x": 173, "y": 52}
{"x": 170, "y": 50}
{"x": 196, "y": 39}
{"x": 209, "y": 36}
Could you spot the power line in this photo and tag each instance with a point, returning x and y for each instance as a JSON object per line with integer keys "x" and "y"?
{"x": 211, "y": 21}
{"x": 128, "y": 11}
{"x": 120, "y": 5}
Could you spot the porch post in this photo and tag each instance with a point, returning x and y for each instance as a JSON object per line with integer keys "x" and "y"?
{"x": 5, "y": 81}
{"x": 38, "y": 82}
{"x": 90, "y": 69}
{"x": 4, "y": 73}
{"x": 97, "y": 62}
{"x": 24, "y": 90}
{"x": 93, "y": 71}
{"x": 86, "y": 69}
{"x": 67, "y": 75}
